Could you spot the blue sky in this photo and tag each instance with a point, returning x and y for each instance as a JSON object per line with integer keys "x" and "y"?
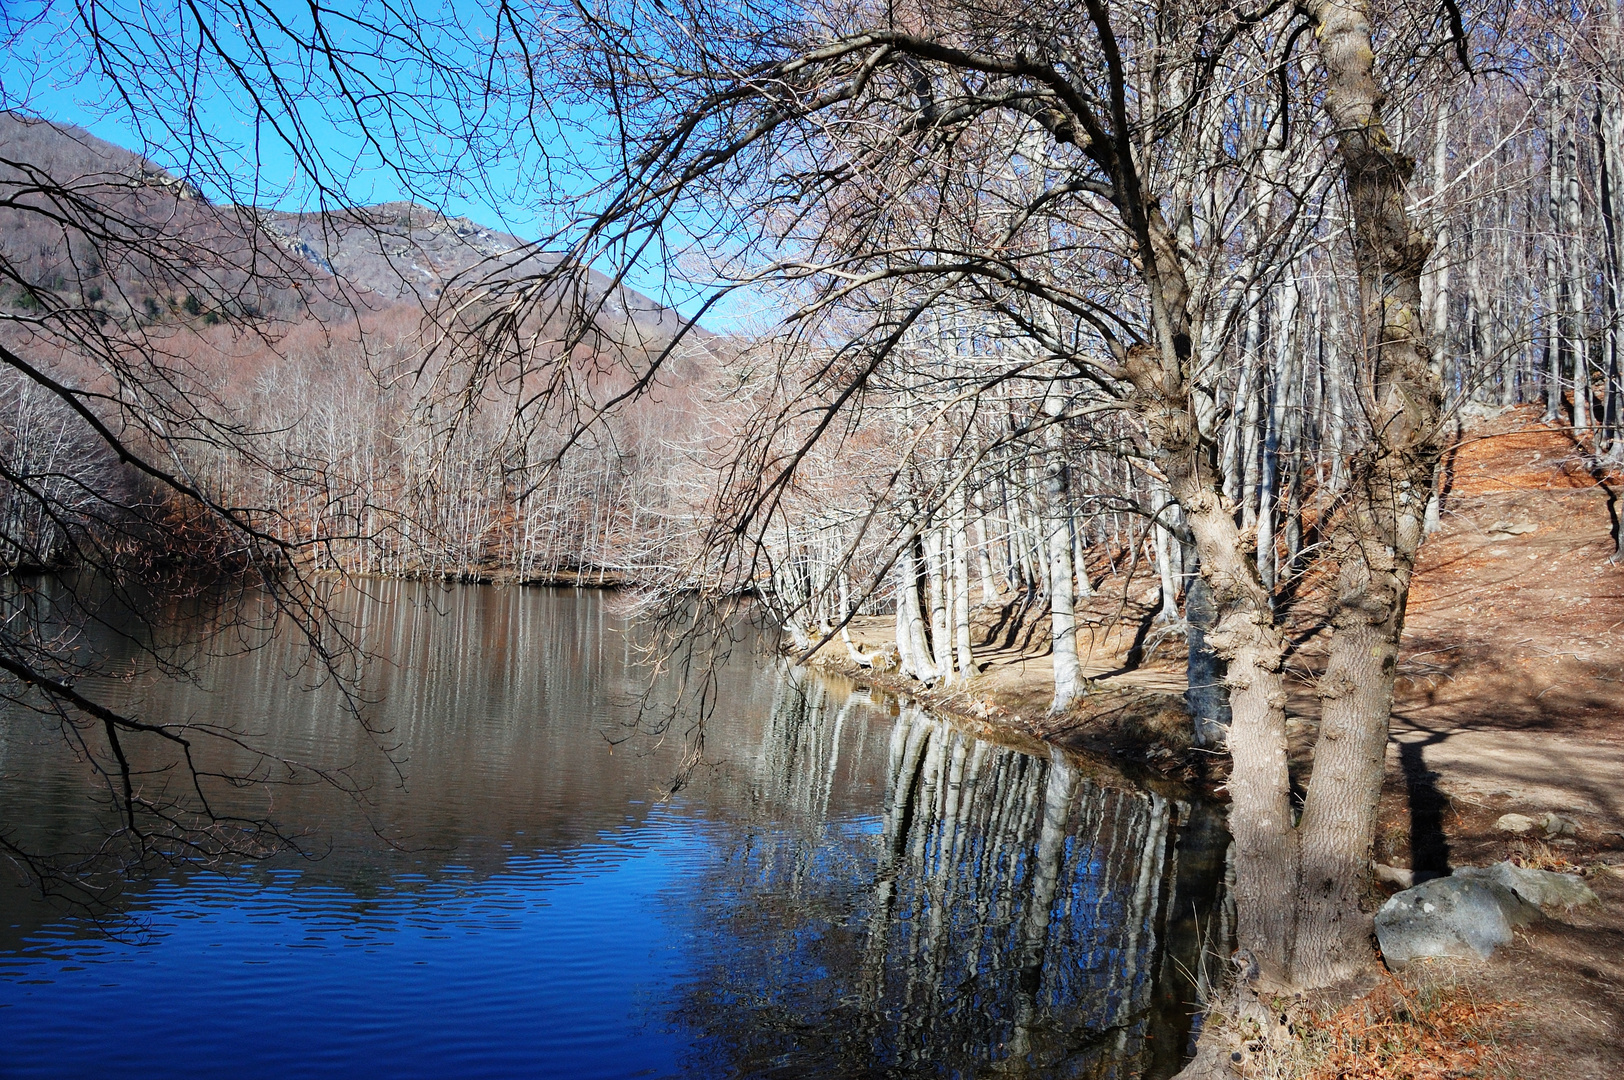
{"x": 460, "y": 140}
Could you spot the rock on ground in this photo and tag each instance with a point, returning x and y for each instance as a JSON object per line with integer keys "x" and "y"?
{"x": 1557, "y": 825}
{"x": 1393, "y": 875}
{"x": 1453, "y": 916}
{"x": 1514, "y": 823}
{"x": 1538, "y": 887}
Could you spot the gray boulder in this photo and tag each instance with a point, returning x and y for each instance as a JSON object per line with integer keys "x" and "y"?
{"x": 1454, "y": 916}
{"x": 1538, "y": 887}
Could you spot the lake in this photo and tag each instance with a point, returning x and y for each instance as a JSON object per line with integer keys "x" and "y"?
{"x": 842, "y": 886}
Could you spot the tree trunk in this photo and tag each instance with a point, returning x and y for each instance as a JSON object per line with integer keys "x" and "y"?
{"x": 1251, "y": 439}
{"x": 1438, "y": 301}
{"x": 1578, "y": 330}
{"x": 912, "y": 642}
{"x": 1079, "y": 552}
{"x": 1068, "y": 670}
{"x": 1166, "y": 547}
{"x": 1334, "y": 390}
{"x": 1555, "y": 280}
{"x": 1609, "y": 128}
{"x": 1238, "y": 435}
{"x": 1268, "y": 497}
{"x": 989, "y": 584}
{"x": 1244, "y": 634}
{"x": 1206, "y": 696}
{"x": 961, "y": 588}
{"x": 941, "y": 635}
{"x": 1476, "y": 345}
{"x": 1377, "y": 535}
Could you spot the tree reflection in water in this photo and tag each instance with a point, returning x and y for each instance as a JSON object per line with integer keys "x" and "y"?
{"x": 1027, "y": 916}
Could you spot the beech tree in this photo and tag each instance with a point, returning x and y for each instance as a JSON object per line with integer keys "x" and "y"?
{"x": 857, "y": 150}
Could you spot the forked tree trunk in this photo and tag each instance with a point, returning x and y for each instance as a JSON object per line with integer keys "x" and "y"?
{"x": 1243, "y": 634}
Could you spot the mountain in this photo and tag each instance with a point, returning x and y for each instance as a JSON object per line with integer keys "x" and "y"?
{"x": 93, "y": 223}
{"x": 403, "y": 252}
{"x": 90, "y": 230}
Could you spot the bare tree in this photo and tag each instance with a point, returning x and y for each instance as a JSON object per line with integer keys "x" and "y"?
{"x": 868, "y": 145}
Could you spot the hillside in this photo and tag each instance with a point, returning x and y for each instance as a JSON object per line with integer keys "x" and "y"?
{"x": 314, "y": 367}
{"x": 103, "y": 226}
{"x": 91, "y": 229}
{"x": 401, "y": 252}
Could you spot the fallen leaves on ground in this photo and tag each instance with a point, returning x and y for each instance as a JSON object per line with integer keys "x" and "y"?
{"x": 1404, "y": 1033}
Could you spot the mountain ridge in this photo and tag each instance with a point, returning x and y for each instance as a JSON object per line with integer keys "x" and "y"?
{"x": 396, "y": 252}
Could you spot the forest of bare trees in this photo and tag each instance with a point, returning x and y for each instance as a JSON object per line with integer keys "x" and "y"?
{"x": 1515, "y": 178}
{"x": 1198, "y": 293}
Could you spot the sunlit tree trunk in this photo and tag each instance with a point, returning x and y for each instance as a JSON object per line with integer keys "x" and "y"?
{"x": 937, "y": 579}
{"x": 989, "y": 583}
{"x": 1609, "y": 121}
{"x": 961, "y": 587}
{"x": 1377, "y": 537}
{"x": 1068, "y": 670}
{"x": 911, "y": 640}
{"x": 1556, "y": 303}
{"x": 1577, "y": 288}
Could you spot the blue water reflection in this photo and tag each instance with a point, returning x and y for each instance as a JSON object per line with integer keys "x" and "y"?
{"x": 554, "y": 966}
{"x": 845, "y": 888}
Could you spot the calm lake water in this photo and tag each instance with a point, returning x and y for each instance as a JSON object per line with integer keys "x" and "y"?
{"x": 844, "y": 887}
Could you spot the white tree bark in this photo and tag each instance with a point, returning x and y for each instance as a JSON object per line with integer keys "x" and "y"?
{"x": 961, "y": 587}
{"x": 941, "y": 634}
{"x": 1068, "y": 671}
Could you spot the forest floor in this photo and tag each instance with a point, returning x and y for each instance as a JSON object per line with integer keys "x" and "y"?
{"x": 1510, "y": 699}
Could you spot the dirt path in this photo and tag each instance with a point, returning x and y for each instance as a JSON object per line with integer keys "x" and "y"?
{"x": 1512, "y": 677}
{"x": 1512, "y": 700}
{"x": 1534, "y": 771}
